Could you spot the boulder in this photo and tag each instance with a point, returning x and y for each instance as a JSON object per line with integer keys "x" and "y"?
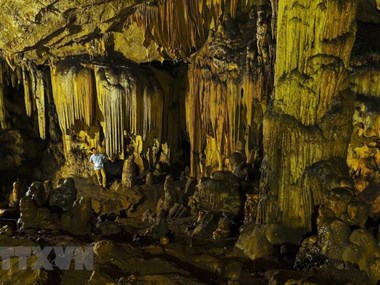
{"x": 36, "y": 192}
{"x": 32, "y": 217}
{"x": 220, "y": 194}
{"x": 77, "y": 220}
{"x": 64, "y": 195}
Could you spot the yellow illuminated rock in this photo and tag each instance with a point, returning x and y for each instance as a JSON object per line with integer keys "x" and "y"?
{"x": 275, "y": 100}
{"x": 313, "y": 52}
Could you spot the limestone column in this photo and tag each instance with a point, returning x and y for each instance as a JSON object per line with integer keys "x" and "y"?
{"x": 309, "y": 117}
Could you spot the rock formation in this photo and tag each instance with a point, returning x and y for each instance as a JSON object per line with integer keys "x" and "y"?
{"x": 272, "y": 105}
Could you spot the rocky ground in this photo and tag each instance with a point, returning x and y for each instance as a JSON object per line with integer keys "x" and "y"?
{"x": 127, "y": 250}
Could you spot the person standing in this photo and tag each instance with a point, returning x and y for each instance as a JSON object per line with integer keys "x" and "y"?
{"x": 97, "y": 161}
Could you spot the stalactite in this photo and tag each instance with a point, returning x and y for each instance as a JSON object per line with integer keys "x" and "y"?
{"x": 181, "y": 26}
{"x": 74, "y": 97}
{"x": 148, "y": 112}
{"x": 38, "y": 90}
{"x": 74, "y": 94}
{"x": 225, "y": 102}
{"x": 27, "y": 96}
{"x": 10, "y": 77}
{"x": 83, "y": 96}
{"x": 131, "y": 106}
{"x": 63, "y": 96}
{"x": 112, "y": 96}
{"x": 33, "y": 80}
{"x": 221, "y": 105}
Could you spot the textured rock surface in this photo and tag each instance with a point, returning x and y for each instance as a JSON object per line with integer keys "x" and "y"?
{"x": 230, "y": 80}
{"x": 140, "y": 30}
{"x": 77, "y": 221}
{"x": 63, "y": 28}
{"x": 286, "y": 90}
{"x": 311, "y": 106}
{"x": 220, "y": 195}
{"x": 33, "y": 217}
{"x": 364, "y": 150}
{"x": 64, "y": 195}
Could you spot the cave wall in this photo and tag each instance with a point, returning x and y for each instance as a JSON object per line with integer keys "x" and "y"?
{"x": 312, "y": 103}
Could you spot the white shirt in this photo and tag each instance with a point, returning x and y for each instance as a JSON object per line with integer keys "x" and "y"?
{"x": 98, "y": 160}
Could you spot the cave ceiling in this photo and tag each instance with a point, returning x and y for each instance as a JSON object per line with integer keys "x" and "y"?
{"x": 141, "y": 31}
{"x": 49, "y": 29}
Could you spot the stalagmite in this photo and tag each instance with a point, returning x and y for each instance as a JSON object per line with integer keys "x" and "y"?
{"x": 129, "y": 172}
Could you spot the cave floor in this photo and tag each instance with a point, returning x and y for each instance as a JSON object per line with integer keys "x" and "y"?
{"x": 127, "y": 257}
